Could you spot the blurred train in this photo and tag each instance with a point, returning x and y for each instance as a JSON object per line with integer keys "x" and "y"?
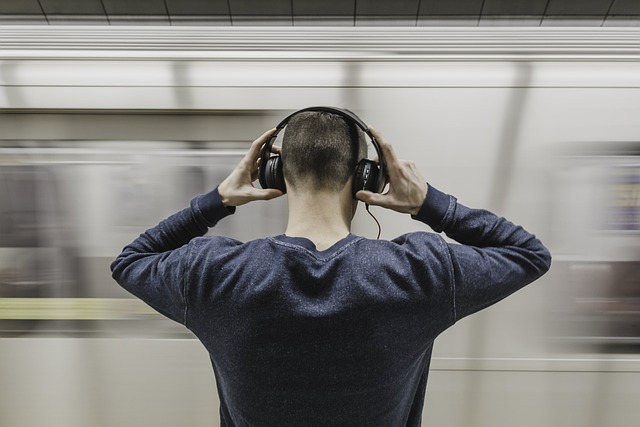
{"x": 103, "y": 135}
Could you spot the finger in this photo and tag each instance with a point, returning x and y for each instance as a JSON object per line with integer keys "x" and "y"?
{"x": 371, "y": 198}
{"x": 255, "y": 173}
{"x": 256, "y": 147}
{"x": 263, "y": 138}
{"x": 266, "y": 194}
{"x": 276, "y": 149}
{"x": 386, "y": 148}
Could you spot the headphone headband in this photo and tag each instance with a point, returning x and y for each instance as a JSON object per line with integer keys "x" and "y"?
{"x": 346, "y": 114}
{"x": 349, "y": 117}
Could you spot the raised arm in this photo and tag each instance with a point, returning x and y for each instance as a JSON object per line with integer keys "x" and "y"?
{"x": 494, "y": 257}
{"x": 152, "y": 266}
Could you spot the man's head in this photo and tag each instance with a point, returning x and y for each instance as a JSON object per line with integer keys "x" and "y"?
{"x": 319, "y": 151}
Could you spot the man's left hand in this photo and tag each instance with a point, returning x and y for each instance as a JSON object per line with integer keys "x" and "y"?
{"x": 237, "y": 189}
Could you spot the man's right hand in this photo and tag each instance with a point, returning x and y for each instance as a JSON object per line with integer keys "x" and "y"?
{"x": 237, "y": 189}
{"x": 407, "y": 187}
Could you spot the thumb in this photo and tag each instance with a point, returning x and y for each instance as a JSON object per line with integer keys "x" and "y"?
{"x": 370, "y": 197}
{"x": 266, "y": 194}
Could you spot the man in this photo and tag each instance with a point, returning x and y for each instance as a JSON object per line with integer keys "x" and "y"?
{"x": 318, "y": 326}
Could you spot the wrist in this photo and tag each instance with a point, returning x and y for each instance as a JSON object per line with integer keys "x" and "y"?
{"x": 222, "y": 193}
{"x": 434, "y": 207}
{"x": 416, "y": 208}
{"x": 210, "y": 206}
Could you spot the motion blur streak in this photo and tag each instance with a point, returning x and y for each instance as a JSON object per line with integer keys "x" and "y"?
{"x": 103, "y": 136}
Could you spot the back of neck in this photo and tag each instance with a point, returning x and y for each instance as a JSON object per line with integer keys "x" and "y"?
{"x": 321, "y": 217}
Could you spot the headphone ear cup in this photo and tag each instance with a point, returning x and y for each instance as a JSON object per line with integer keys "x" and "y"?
{"x": 273, "y": 175}
{"x": 366, "y": 176}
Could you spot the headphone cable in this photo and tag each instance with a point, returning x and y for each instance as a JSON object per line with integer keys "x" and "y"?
{"x": 375, "y": 219}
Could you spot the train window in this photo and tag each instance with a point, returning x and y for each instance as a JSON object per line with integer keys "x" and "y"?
{"x": 622, "y": 189}
{"x": 68, "y": 212}
{"x": 598, "y": 204}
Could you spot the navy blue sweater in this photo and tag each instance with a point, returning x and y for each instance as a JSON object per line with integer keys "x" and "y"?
{"x": 340, "y": 337}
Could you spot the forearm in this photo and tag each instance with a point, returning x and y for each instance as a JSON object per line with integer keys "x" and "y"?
{"x": 473, "y": 227}
{"x": 177, "y": 230}
{"x": 494, "y": 258}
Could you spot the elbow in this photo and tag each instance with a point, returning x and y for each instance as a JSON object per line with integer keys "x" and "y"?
{"x": 538, "y": 258}
{"x": 544, "y": 260}
{"x": 547, "y": 262}
{"x": 118, "y": 267}
{"x": 115, "y": 268}
{"x": 122, "y": 274}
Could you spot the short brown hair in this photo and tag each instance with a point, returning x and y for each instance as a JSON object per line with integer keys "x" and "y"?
{"x": 321, "y": 150}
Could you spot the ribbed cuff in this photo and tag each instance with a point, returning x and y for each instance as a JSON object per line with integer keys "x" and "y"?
{"x": 211, "y": 207}
{"x": 434, "y": 207}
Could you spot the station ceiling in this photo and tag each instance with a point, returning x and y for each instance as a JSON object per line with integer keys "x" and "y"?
{"x": 402, "y": 13}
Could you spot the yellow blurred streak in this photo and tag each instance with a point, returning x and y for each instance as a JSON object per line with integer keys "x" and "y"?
{"x": 73, "y": 309}
{"x": 624, "y": 195}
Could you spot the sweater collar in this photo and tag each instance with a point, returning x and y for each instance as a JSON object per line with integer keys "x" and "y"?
{"x": 307, "y": 244}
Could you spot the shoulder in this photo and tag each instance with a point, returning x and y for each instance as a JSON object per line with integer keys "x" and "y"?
{"x": 418, "y": 237}
{"x": 419, "y": 246}
{"x": 215, "y": 246}
{"x": 217, "y": 241}
{"x": 418, "y": 240}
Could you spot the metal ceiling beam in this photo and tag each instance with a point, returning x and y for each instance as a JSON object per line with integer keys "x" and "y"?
{"x": 269, "y": 43}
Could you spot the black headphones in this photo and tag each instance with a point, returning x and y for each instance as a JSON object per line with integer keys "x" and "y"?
{"x": 368, "y": 175}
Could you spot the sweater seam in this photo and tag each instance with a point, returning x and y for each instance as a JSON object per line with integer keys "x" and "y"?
{"x": 448, "y": 214}
{"x": 199, "y": 216}
{"x": 185, "y": 287}
{"x": 452, "y": 282}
